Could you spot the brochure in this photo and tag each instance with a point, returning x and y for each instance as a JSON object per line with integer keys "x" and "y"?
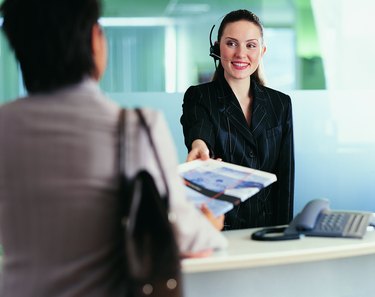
{"x": 221, "y": 185}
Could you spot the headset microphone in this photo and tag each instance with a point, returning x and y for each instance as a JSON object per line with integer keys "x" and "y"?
{"x": 216, "y": 57}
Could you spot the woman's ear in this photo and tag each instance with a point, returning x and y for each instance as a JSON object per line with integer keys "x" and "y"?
{"x": 264, "y": 49}
{"x": 99, "y": 51}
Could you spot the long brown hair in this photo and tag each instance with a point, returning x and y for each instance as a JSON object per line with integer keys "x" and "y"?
{"x": 235, "y": 16}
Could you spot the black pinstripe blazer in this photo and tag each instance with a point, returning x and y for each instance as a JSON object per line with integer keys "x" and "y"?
{"x": 211, "y": 112}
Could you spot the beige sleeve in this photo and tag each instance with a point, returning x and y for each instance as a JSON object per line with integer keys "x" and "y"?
{"x": 194, "y": 232}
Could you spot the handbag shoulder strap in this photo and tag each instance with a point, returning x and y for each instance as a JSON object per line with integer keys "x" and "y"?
{"x": 121, "y": 140}
{"x": 143, "y": 122}
{"x": 122, "y": 136}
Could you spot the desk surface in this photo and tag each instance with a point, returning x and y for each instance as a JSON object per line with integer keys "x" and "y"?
{"x": 246, "y": 253}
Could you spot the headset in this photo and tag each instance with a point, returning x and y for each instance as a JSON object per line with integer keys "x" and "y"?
{"x": 214, "y": 48}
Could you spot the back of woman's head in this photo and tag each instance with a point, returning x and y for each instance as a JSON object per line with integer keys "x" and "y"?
{"x": 51, "y": 40}
{"x": 235, "y": 16}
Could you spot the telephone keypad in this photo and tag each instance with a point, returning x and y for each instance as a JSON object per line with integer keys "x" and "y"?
{"x": 341, "y": 224}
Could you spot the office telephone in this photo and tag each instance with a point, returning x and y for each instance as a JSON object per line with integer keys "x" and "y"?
{"x": 316, "y": 219}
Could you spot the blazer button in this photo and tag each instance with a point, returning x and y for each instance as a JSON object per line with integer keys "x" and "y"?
{"x": 252, "y": 155}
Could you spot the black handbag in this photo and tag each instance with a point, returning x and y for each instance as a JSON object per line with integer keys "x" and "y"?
{"x": 151, "y": 253}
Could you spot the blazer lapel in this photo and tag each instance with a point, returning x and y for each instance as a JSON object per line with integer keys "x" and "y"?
{"x": 259, "y": 115}
{"x": 233, "y": 111}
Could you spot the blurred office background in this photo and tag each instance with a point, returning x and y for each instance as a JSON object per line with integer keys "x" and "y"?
{"x": 319, "y": 52}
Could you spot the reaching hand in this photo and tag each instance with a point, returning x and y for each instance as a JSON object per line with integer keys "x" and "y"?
{"x": 217, "y": 222}
{"x": 199, "y": 150}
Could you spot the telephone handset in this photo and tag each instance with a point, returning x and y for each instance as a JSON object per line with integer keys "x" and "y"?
{"x": 316, "y": 219}
{"x": 306, "y": 219}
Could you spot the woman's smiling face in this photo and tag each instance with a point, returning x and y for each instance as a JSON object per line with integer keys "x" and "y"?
{"x": 241, "y": 49}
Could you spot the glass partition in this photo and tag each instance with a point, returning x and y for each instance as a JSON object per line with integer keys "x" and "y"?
{"x": 163, "y": 46}
{"x": 140, "y": 58}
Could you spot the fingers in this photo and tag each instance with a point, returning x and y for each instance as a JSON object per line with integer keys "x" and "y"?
{"x": 217, "y": 222}
{"x": 199, "y": 254}
{"x": 199, "y": 150}
{"x": 206, "y": 210}
{"x": 198, "y": 154}
{"x": 204, "y": 155}
{"x": 193, "y": 155}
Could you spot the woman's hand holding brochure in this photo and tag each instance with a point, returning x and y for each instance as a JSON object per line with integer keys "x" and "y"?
{"x": 220, "y": 185}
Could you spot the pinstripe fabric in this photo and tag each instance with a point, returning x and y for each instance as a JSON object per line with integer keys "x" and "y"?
{"x": 211, "y": 112}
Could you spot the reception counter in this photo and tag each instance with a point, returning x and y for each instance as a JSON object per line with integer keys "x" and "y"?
{"x": 316, "y": 267}
{"x": 310, "y": 266}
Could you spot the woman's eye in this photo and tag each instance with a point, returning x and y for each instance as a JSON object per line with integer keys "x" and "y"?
{"x": 252, "y": 45}
{"x": 231, "y": 43}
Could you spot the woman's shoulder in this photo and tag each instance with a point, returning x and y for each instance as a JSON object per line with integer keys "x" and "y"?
{"x": 273, "y": 92}
{"x": 201, "y": 92}
{"x": 273, "y": 96}
{"x": 202, "y": 87}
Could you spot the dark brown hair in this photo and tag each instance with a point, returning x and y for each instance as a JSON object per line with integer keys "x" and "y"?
{"x": 51, "y": 40}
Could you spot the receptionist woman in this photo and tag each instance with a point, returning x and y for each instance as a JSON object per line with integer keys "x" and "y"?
{"x": 236, "y": 118}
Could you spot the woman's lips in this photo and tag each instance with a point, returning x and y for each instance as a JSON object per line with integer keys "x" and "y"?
{"x": 240, "y": 65}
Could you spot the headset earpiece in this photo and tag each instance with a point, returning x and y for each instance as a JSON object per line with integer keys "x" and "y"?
{"x": 215, "y": 51}
{"x": 214, "y": 48}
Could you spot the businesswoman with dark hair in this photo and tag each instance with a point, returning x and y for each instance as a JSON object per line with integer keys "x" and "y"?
{"x": 60, "y": 204}
{"x": 238, "y": 119}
